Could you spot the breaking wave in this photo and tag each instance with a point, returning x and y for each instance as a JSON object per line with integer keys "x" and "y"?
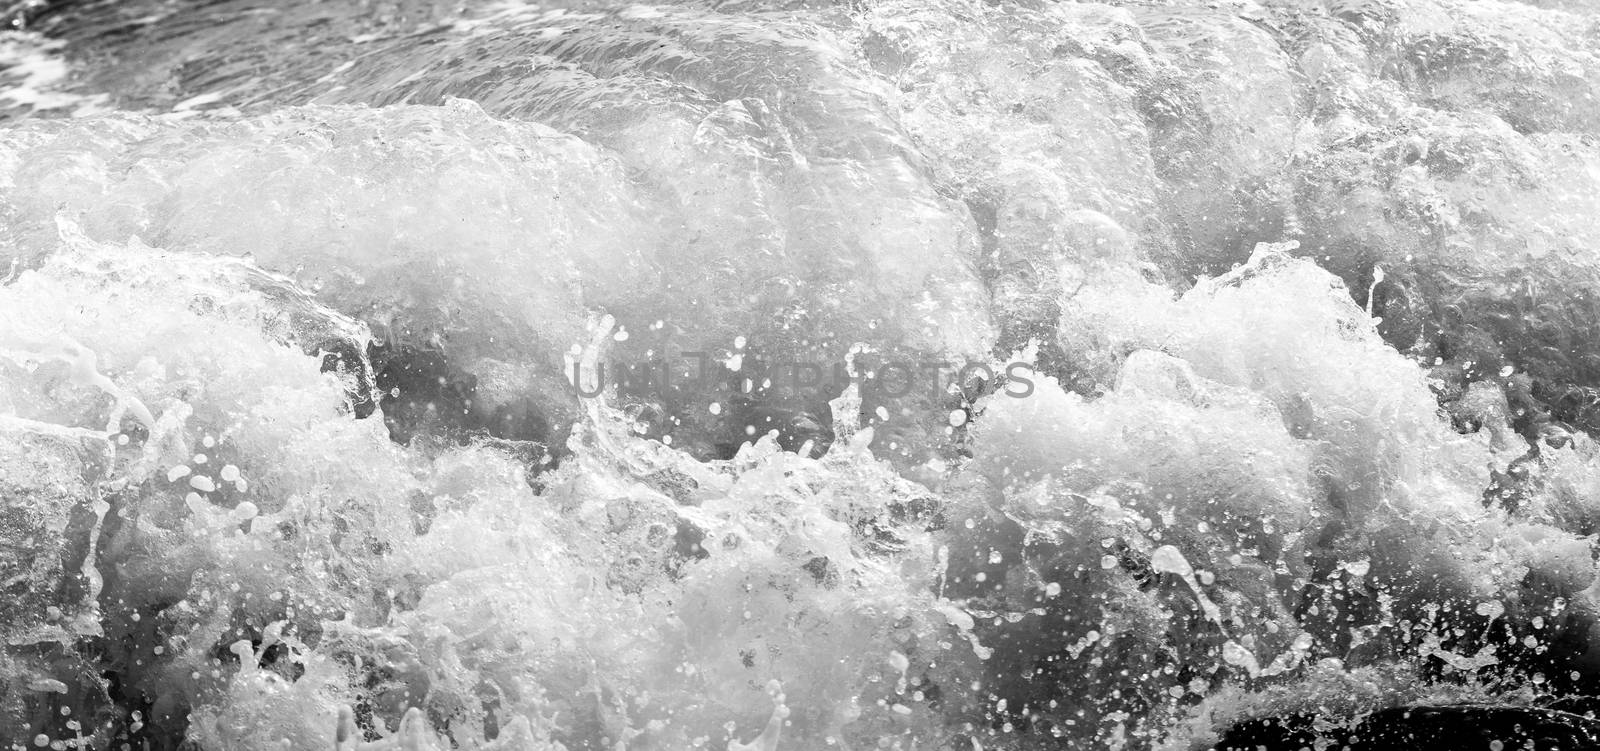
{"x": 1177, "y": 375}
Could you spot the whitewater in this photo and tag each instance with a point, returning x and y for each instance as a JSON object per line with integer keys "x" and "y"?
{"x": 798, "y": 375}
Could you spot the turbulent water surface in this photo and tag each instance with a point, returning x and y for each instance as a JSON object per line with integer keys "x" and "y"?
{"x": 781, "y": 375}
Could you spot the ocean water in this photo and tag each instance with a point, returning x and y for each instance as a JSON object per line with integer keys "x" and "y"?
{"x": 786, "y": 375}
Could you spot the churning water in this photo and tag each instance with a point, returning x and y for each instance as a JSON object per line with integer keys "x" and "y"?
{"x": 790, "y": 375}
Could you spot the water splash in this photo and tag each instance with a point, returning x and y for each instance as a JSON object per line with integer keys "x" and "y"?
{"x": 1307, "y": 288}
